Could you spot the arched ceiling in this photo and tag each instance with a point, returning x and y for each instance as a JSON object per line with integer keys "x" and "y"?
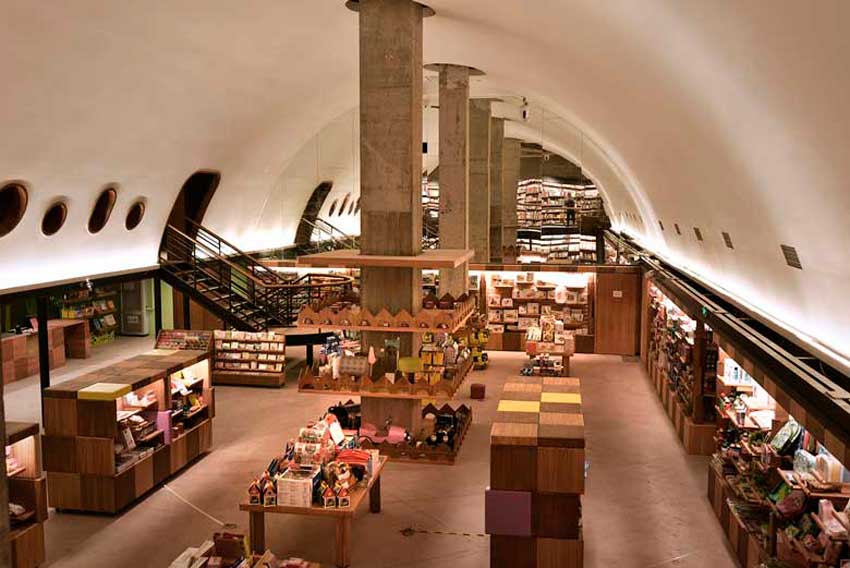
{"x": 724, "y": 115}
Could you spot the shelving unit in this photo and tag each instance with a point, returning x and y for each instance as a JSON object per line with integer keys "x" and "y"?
{"x": 683, "y": 365}
{"x": 755, "y": 467}
{"x": 98, "y": 307}
{"x": 113, "y": 434}
{"x": 28, "y": 489}
{"x": 184, "y": 339}
{"x": 250, "y": 359}
{"x": 400, "y": 398}
{"x": 516, "y": 301}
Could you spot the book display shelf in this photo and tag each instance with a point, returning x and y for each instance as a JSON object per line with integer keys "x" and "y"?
{"x": 549, "y": 217}
{"x": 775, "y": 488}
{"x": 559, "y": 304}
{"x": 99, "y": 307}
{"x": 537, "y": 475}
{"x": 682, "y": 361}
{"x": 113, "y": 434}
{"x": 27, "y": 494}
{"x": 392, "y": 388}
{"x": 249, "y": 358}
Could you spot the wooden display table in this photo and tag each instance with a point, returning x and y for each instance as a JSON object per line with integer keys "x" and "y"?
{"x": 257, "y": 516}
{"x": 27, "y": 487}
{"x": 65, "y": 339}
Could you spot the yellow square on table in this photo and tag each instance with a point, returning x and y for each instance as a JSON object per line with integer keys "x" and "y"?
{"x": 561, "y": 397}
{"x": 518, "y": 406}
{"x": 103, "y": 391}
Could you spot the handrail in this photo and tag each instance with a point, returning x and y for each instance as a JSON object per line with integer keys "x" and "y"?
{"x": 339, "y": 278}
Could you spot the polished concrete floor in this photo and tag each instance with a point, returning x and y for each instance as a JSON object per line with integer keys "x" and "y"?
{"x": 645, "y": 504}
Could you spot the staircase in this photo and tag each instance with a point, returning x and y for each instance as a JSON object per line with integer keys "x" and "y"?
{"x": 235, "y": 286}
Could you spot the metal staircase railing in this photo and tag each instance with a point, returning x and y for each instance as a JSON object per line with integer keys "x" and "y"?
{"x": 236, "y": 286}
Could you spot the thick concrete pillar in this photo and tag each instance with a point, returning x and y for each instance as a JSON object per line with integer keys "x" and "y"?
{"x": 454, "y": 169}
{"x": 391, "y": 169}
{"x": 479, "y": 179}
{"x": 511, "y": 162}
{"x": 5, "y": 547}
{"x": 497, "y": 134}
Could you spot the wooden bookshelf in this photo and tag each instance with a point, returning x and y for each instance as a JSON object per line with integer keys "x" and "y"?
{"x": 97, "y": 307}
{"x": 98, "y": 460}
{"x": 27, "y": 488}
{"x": 249, "y": 359}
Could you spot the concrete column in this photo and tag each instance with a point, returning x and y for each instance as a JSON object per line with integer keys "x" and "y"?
{"x": 511, "y": 161}
{"x": 454, "y": 169}
{"x": 497, "y": 134}
{"x": 391, "y": 170}
{"x": 479, "y": 179}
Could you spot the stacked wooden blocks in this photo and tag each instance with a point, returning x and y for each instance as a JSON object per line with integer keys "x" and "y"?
{"x": 533, "y": 504}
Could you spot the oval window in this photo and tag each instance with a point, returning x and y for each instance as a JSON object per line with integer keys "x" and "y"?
{"x": 333, "y": 208}
{"x": 13, "y": 204}
{"x": 344, "y": 203}
{"x": 134, "y": 215}
{"x": 102, "y": 210}
{"x": 54, "y": 218}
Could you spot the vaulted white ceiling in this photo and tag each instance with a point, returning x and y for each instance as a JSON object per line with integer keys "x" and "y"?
{"x": 725, "y": 115}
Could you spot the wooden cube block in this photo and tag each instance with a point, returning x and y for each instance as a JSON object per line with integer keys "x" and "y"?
{"x": 60, "y": 416}
{"x": 560, "y": 553}
{"x": 513, "y": 552}
{"x": 508, "y": 513}
{"x": 161, "y": 465}
{"x": 98, "y": 493}
{"x": 556, "y": 515}
{"x": 560, "y": 470}
{"x": 64, "y": 490}
{"x": 59, "y": 454}
{"x": 477, "y": 391}
{"x": 27, "y": 545}
{"x": 95, "y": 456}
{"x": 513, "y": 468}
{"x": 96, "y": 418}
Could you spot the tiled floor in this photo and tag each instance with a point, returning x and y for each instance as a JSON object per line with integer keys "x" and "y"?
{"x": 645, "y": 504}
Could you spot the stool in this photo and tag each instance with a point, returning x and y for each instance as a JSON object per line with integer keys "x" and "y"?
{"x": 477, "y": 391}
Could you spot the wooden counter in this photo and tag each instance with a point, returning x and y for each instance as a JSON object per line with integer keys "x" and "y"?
{"x": 81, "y": 429}
{"x": 65, "y": 339}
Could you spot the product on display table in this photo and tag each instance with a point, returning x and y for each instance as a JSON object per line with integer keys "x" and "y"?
{"x": 322, "y": 472}
{"x": 231, "y": 550}
{"x": 249, "y": 358}
{"x": 27, "y": 490}
{"x": 444, "y": 360}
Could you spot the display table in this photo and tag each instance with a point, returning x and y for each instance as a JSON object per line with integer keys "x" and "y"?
{"x": 257, "y": 516}
{"x": 65, "y": 339}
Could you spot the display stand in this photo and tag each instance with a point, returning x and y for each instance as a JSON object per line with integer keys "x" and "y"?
{"x": 537, "y": 470}
{"x": 400, "y": 401}
{"x": 343, "y": 516}
{"x": 98, "y": 308}
{"x": 682, "y": 364}
{"x": 27, "y": 488}
{"x": 249, "y": 359}
{"x": 113, "y": 434}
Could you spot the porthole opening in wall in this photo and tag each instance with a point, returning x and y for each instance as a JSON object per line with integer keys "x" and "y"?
{"x": 344, "y": 203}
{"x": 332, "y": 209}
{"x": 102, "y": 210}
{"x": 134, "y": 215}
{"x": 13, "y": 205}
{"x": 351, "y": 208}
{"x": 54, "y": 218}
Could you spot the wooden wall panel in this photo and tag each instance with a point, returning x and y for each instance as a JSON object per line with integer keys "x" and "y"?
{"x": 617, "y": 313}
